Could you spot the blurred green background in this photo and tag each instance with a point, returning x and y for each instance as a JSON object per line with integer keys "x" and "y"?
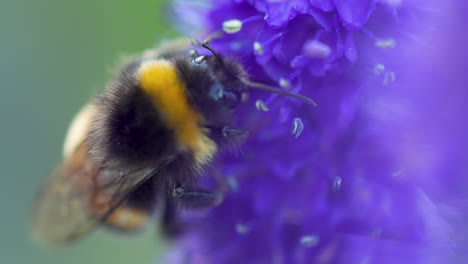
{"x": 55, "y": 55}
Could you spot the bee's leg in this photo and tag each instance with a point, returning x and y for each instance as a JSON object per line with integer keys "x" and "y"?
{"x": 188, "y": 198}
{"x": 196, "y": 198}
{"x": 171, "y": 225}
{"x": 234, "y": 135}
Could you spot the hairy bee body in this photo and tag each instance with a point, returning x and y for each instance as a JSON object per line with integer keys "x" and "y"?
{"x": 144, "y": 140}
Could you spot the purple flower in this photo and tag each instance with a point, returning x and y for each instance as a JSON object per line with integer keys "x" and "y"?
{"x": 376, "y": 172}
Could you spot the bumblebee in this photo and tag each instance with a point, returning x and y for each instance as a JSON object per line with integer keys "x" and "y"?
{"x": 145, "y": 140}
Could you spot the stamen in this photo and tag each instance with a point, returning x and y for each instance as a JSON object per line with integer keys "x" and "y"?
{"x": 297, "y": 127}
{"x": 252, "y": 18}
{"x": 235, "y": 25}
{"x": 309, "y": 240}
{"x": 260, "y": 105}
{"x": 273, "y": 38}
{"x": 285, "y": 83}
{"x": 270, "y": 99}
{"x": 337, "y": 183}
{"x": 389, "y": 77}
{"x": 369, "y": 33}
{"x": 317, "y": 49}
{"x": 379, "y": 69}
{"x": 385, "y": 43}
{"x": 399, "y": 173}
{"x": 215, "y": 35}
{"x": 294, "y": 74}
{"x": 233, "y": 183}
{"x": 242, "y": 229}
{"x": 258, "y": 48}
{"x": 232, "y": 26}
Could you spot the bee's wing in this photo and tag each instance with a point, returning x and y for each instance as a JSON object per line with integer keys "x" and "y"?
{"x": 80, "y": 194}
{"x": 61, "y": 212}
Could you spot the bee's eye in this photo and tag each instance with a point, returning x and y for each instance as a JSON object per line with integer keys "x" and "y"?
{"x": 218, "y": 93}
{"x": 230, "y": 99}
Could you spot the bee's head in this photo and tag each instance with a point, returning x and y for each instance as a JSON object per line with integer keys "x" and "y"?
{"x": 213, "y": 86}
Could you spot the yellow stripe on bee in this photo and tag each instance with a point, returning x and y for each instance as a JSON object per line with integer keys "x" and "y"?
{"x": 159, "y": 80}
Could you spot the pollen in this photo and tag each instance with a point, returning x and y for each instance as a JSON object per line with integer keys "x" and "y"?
{"x": 258, "y": 48}
{"x": 232, "y": 26}
{"x": 379, "y": 69}
{"x": 285, "y": 83}
{"x": 297, "y": 127}
{"x": 388, "y": 43}
{"x": 337, "y": 183}
{"x": 260, "y": 105}
{"x": 309, "y": 240}
{"x": 317, "y": 49}
{"x": 242, "y": 229}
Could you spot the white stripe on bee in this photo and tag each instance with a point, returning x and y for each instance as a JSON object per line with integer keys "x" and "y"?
{"x": 78, "y": 129}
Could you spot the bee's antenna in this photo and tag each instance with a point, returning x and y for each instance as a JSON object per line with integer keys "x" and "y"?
{"x": 270, "y": 89}
{"x": 215, "y": 53}
{"x": 206, "y": 43}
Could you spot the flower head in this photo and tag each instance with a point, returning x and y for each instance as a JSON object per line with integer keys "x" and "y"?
{"x": 368, "y": 175}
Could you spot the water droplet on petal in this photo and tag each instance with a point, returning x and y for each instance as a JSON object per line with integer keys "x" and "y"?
{"x": 297, "y": 127}
{"x": 260, "y": 105}
{"x": 309, "y": 241}
{"x": 232, "y": 26}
